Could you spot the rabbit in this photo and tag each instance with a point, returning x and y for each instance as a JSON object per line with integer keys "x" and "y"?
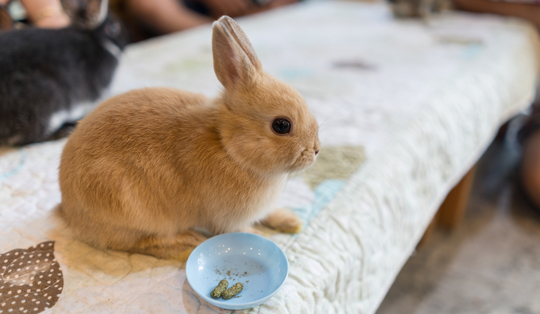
{"x": 150, "y": 169}
{"x": 52, "y": 77}
{"x": 418, "y": 8}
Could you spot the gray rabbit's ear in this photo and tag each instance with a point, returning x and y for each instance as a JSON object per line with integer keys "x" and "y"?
{"x": 86, "y": 14}
{"x": 235, "y": 61}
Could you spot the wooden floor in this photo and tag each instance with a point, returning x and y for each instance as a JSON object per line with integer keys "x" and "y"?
{"x": 489, "y": 264}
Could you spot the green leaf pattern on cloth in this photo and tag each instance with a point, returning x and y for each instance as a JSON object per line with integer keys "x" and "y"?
{"x": 334, "y": 163}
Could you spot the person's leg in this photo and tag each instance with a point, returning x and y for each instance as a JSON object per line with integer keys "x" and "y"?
{"x": 46, "y": 13}
{"x": 165, "y": 16}
{"x": 530, "y": 167}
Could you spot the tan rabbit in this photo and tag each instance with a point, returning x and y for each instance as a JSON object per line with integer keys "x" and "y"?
{"x": 147, "y": 167}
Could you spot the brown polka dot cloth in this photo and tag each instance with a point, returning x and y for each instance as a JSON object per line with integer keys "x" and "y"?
{"x": 30, "y": 280}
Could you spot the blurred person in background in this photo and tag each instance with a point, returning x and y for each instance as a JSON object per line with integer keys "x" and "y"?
{"x": 530, "y": 162}
{"x": 40, "y": 13}
{"x": 148, "y": 18}
{"x": 529, "y": 135}
{"x": 144, "y": 18}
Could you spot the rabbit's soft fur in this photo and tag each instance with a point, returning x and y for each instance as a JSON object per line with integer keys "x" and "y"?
{"x": 148, "y": 167}
{"x": 50, "y": 77}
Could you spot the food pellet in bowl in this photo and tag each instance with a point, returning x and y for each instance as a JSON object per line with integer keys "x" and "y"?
{"x": 221, "y": 287}
{"x": 232, "y": 291}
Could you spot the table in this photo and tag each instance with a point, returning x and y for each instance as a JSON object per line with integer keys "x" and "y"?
{"x": 405, "y": 110}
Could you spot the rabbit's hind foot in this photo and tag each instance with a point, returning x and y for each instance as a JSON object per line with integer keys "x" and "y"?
{"x": 284, "y": 221}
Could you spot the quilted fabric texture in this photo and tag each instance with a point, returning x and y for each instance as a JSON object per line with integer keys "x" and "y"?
{"x": 405, "y": 109}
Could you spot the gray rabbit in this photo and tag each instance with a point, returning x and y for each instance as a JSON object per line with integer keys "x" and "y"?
{"x": 418, "y": 8}
{"x": 52, "y": 77}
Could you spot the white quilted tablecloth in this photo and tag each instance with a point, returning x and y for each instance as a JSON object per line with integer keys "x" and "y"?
{"x": 405, "y": 109}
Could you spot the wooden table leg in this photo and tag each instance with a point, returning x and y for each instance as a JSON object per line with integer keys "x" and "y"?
{"x": 452, "y": 210}
{"x": 428, "y": 233}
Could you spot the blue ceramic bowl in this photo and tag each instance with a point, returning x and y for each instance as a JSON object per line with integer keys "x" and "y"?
{"x": 258, "y": 263}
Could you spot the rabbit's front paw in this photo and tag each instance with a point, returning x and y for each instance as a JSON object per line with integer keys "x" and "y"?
{"x": 283, "y": 220}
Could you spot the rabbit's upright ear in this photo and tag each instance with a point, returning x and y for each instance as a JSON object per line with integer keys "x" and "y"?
{"x": 86, "y": 14}
{"x": 235, "y": 61}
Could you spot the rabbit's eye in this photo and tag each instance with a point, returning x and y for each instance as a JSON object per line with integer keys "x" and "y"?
{"x": 281, "y": 126}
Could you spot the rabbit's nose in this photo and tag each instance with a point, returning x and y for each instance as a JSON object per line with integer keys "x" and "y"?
{"x": 317, "y": 146}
